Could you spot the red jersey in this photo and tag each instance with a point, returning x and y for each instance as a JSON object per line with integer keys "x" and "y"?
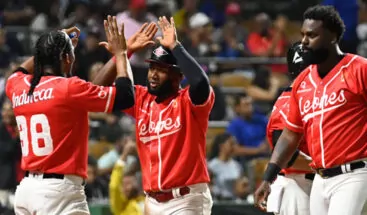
{"x": 53, "y": 123}
{"x": 277, "y": 121}
{"x": 332, "y": 112}
{"x": 171, "y": 139}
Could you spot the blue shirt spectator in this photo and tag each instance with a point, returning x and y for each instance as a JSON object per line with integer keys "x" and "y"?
{"x": 249, "y": 132}
{"x": 249, "y": 129}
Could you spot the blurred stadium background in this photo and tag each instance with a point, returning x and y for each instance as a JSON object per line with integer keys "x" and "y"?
{"x": 240, "y": 44}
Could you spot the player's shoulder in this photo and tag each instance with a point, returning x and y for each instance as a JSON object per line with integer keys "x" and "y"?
{"x": 302, "y": 76}
{"x": 357, "y": 61}
{"x": 17, "y": 75}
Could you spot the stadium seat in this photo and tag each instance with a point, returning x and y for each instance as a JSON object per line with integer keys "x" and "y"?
{"x": 98, "y": 149}
{"x": 235, "y": 80}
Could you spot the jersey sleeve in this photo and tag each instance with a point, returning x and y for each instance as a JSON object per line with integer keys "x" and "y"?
{"x": 293, "y": 120}
{"x": 90, "y": 97}
{"x": 203, "y": 109}
{"x": 11, "y": 81}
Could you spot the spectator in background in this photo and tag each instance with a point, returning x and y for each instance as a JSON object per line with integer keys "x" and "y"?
{"x": 79, "y": 16}
{"x": 15, "y": 13}
{"x": 118, "y": 6}
{"x": 249, "y": 129}
{"x": 10, "y": 153}
{"x": 91, "y": 53}
{"x": 199, "y": 41}
{"x": 214, "y": 9}
{"x": 108, "y": 160}
{"x": 47, "y": 20}
{"x": 133, "y": 19}
{"x": 125, "y": 192}
{"x": 5, "y": 52}
{"x": 225, "y": 169}
{"x": 362, "y": 30}
{"x": 110, "y": 131}
{"x": 96, "y": 189}
{"x": 268, "y": 40}
{"x": 219, "y": 109}
{"x": 264, "y": 90}
{"x": 348, "y": 11}
{"x": 183, "y": 15}
{"x": 161, "y": 7}
{"x": 232, "y": 36}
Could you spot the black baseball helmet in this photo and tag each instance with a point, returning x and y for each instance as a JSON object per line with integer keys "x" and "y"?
{"x": 295, "y": 62}
{"x": 163, "y": 56}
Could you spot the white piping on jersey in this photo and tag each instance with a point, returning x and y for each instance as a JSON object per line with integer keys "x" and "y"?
{"x": 159, "y": 146}
{"x": 311, "y": 80}
{"x": 151, "y": 138}
{"x": 283, "y": 97}
{"x": 314, "y": 95}
{"x": 41, "y": 83}
{"x": 322, "y": 107}
{"x": 109, "y": 99}
{"x": 288, "y": 122}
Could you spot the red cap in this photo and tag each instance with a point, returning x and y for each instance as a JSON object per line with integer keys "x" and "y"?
{"x": 137, "y": 4}
{"x": 233, "y": 8}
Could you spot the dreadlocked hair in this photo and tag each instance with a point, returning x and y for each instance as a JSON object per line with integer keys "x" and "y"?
{"x": 49, "y": 51}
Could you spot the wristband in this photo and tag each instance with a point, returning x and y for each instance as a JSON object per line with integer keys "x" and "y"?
{"x": 129, "y": 53}
{"x": 271, "y": 172}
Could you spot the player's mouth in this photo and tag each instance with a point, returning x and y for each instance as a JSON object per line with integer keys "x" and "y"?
{"x": 153, "y": 84}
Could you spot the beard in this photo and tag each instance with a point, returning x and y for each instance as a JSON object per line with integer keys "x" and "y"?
{"x": 315, "y": 56}
{"x": 163, "y": 90}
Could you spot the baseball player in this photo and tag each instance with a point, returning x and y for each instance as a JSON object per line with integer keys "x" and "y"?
{"x": 327, "y": 105}
{"x": 171, "y": 125}
{"x": 291, "y": 190}
{"x": 52, "y": 117}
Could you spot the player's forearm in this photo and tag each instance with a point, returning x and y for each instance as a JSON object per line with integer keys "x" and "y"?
{"x": 196, "y": 77}
{"x": 285, "y": 147}
{"x": 108, "y": 73}
{"x": 28, "y": 65}
{"x": 121, "y": 66}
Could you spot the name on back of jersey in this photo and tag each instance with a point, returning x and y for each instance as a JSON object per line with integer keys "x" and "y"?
{"x": 38, "y": 95}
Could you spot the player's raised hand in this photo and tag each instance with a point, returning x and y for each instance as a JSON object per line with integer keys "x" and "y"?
{"x": 74, "y": 33}
{"x": 116, "y": 42}
{"x": 261, "y": 195}
{"x": 143, "y": 37}
{"x": 168, "y": 29}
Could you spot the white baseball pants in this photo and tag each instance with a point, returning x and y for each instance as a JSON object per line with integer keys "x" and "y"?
{"x": 295, "y": 197}
{"x": 35, "y": 195}
{"x": 197, "y": 202}
{"x": 340, "y": 195}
